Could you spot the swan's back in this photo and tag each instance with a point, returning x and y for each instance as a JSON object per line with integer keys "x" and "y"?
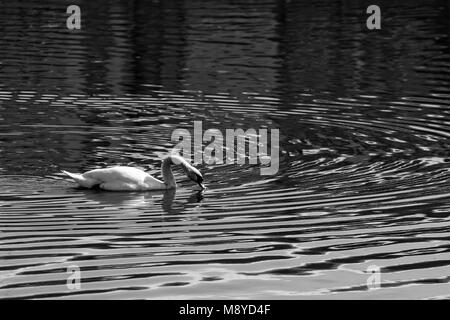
{"x": 117, "y": 179}
{"x": 119, "y": 173}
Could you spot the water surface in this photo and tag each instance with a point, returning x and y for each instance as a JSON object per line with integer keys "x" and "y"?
{"x": 364, "y": 149}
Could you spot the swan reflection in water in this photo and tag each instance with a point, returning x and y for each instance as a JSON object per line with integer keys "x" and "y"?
{"x": 143, "y": 200}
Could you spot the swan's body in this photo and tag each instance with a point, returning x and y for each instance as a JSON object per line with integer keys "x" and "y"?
{"x": 117, "y": 178}
{"x": 122, "y": 178}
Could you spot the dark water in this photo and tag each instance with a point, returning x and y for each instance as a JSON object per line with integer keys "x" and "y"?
{"x": 364, "y": 120}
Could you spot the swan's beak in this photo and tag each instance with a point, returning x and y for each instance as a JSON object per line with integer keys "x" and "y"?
{"x": 194, "y": 175}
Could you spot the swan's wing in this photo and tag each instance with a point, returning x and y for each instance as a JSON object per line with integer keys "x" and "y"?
{"x": 81, "y": 180}
{"x": 123, "y": 174}
{"x": 153, "y": 183}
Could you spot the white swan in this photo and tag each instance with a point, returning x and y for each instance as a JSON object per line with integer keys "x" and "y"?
{"x": 133, "y": 179}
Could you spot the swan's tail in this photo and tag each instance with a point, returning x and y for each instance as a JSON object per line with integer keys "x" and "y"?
{"x": 81, "y": 180}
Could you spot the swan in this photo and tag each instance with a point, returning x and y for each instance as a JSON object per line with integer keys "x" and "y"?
{"x": 121, "y": 178}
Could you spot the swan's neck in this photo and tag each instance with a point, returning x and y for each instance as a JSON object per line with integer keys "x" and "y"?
{"x": 167, "y": 174}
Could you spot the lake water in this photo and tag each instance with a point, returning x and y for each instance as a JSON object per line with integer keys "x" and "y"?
{"x": 364, "y": 169}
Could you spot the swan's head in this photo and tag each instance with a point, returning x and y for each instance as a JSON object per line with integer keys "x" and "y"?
{"x": 191, "y": 172}
{"x": 195, "y": 176}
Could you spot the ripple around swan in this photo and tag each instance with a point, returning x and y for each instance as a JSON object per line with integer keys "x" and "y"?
{"x": 375, "y": 193}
